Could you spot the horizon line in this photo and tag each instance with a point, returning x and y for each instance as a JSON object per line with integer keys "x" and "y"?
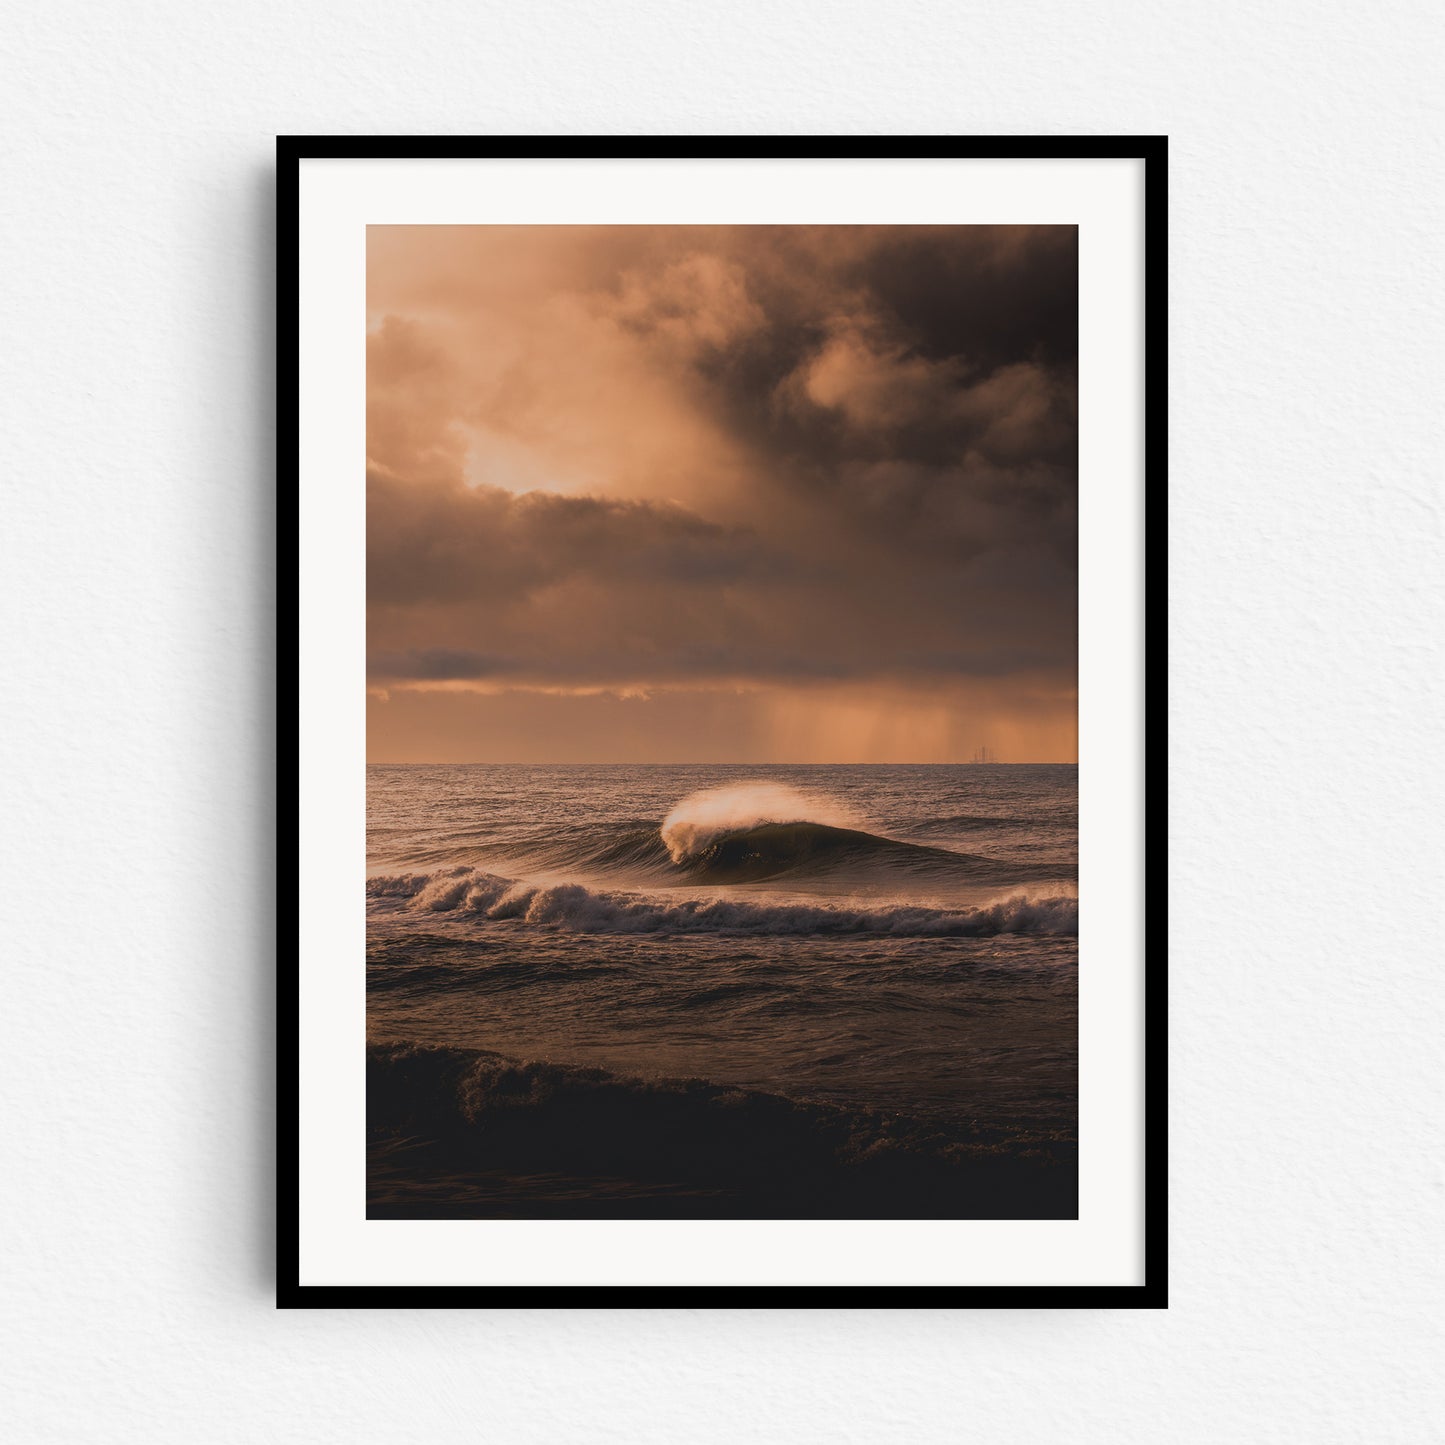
{"x": 703, "y": 763}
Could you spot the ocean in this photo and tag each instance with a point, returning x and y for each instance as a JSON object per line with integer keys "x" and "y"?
{"x": 722, "y": 991}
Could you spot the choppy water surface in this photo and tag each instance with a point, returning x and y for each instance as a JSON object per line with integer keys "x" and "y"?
{"x": 722, "y": 990}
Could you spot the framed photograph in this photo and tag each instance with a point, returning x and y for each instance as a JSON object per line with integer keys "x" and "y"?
{"x": 727, "y": 806}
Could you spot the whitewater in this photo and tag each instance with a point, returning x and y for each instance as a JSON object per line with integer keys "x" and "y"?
{"x": 577, "y": 976}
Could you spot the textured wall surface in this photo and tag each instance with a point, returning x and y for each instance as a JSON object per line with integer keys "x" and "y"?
{"x": 1307, "y": 618}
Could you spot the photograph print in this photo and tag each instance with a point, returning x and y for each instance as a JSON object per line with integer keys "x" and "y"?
{"x": 721, "y": 795}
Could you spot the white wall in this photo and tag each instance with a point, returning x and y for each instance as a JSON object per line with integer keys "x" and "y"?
{"x": 135, "y": 569}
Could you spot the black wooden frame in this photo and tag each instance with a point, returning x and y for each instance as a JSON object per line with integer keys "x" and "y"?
{"x": 291, "y": 151}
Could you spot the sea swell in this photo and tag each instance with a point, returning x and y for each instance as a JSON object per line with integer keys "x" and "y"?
{"x": 487, "y": 897}
{"x": 762, "y": 852}
{"x": 777, "y": 850}
{"x": 459, "y": 1114}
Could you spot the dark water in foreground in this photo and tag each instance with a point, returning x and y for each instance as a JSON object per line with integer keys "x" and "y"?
{"x": 722, "y": 991}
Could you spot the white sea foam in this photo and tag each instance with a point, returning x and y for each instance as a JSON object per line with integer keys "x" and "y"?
{"x": 572, "y": 907}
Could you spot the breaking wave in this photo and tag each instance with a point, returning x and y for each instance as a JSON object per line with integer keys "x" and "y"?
{"x": 703, "y": 819}
{"x": 470, "y": 892}
{"x": 773, "y": 850}
{"x": 753, "y": 832}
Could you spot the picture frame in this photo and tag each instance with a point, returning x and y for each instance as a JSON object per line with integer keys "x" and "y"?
{"x": 329, "y": 1254}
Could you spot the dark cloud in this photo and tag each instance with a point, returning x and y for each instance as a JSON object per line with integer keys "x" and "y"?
{"x": 656, "y": 457}
{"x": 437, "y": 664}
{"x": 451, "y": 543}
{"x": 999, "y": 295}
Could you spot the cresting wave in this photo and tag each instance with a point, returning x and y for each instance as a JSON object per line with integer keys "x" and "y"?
{"x": 747, "y": 832}
{"x": 484, "y": 896}
{"x": 702, "y": 819}
{"x": 754, "y": 832}
{"x": 767, "y": 851}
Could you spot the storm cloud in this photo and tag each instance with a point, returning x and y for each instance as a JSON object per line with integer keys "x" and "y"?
{"x": 810, "y": 466}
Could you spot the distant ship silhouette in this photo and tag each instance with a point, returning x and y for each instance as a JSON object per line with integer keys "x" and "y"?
{"x": 984, "y": 755}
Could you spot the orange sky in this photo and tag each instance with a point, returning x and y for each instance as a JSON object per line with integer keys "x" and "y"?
{"x": 743, "y": 494}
